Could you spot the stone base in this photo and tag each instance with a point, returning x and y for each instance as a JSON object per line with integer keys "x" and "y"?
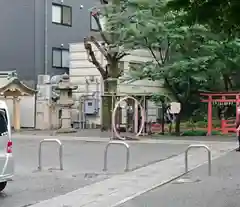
{"x": 66, "y": 130}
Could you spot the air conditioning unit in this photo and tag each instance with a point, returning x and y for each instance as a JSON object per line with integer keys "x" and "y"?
{"x": 43, "y": 79}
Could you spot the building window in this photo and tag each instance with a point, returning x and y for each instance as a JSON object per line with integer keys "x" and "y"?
{"x": 60, "y": 58}
{"x": 93, "y": 23}
{"x": 62, "y": 14}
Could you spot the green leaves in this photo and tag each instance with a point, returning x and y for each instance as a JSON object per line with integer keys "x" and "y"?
{"x": 186, "y": 56}
{"x": 220, "y": 15}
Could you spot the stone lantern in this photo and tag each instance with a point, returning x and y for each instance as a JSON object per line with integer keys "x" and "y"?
{"x": 65, "y": 103}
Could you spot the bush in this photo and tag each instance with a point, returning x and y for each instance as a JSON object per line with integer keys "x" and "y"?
{"x": 194, "y": 133}
{"x": 199, "y": 133}
{"x": 201, "y": 124}
{"x": 216, "y": 123}
{"x": 216, "y": 133}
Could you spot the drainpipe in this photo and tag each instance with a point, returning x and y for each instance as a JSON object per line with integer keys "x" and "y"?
{"x": 35, "y": 68}
{"x": 46, "y": 38}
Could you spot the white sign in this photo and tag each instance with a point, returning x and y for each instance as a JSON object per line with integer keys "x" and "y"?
{"x": 175, "y": 107}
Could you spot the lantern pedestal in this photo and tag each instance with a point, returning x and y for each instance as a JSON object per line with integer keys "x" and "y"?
{"x": 65, "y": 103}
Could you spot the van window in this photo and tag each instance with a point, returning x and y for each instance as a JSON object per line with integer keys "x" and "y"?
{"x": 3, "y": 124}
{"x": 3, "y": 111}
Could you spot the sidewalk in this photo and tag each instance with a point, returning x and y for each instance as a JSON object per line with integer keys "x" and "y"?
{"x": 222, "y": 189}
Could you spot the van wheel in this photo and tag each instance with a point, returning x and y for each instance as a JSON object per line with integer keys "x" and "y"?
{"x": 2, "y": 186}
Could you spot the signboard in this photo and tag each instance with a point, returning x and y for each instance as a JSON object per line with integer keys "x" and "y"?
{"x": 156, "y": 128}
{"x": 175, "y": 107}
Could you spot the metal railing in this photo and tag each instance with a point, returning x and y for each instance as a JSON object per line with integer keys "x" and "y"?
{"x": 60, "y": 152}
{"x": 198, "y": 146}
{"x": 127, "y": 153}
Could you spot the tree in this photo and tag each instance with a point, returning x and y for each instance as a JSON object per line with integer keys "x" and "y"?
{"x": 184, "y": 56}
{"x": 112, "y": 50}
{"x": 227, "y": 61}
{"x": 220, "y": 15}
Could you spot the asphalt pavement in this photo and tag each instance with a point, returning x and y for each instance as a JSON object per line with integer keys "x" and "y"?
{"x": 82, "y": 162}
{"x": 89, "y": 134}
{"x": 197, "y": 189}
{"x": 121, "y": 188}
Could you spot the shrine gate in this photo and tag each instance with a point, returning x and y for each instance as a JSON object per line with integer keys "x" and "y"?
{"x": 225, "y": 98}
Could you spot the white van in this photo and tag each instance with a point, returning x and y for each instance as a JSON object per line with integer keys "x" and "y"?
{"x": 6, "y": 156}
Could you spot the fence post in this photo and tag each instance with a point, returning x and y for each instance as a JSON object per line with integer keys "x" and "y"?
{"x": 60, "y": 152}
{"x": 127, "y": 153}
{"x": 209, "y": 157}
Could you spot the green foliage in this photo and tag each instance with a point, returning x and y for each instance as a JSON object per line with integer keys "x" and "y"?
{"x": 199, "y": 133}
{"x": 201, "y": 124}
{"x": 185, "y": 56}
{"x": 221, "y": 15}
{"x": 193, "y": 125}
{"x": 188, "y": 58}
{"x": 181, "y": 54}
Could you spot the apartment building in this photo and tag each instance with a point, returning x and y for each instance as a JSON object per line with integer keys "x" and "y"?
{"x": 35, "y": 35}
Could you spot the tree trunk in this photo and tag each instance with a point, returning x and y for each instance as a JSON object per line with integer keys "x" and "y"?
{"x": 163, "y": 117}
{"x": 108, "y": 102}
{"x": 177, "y": 123}
{"x": 106, "y": 113}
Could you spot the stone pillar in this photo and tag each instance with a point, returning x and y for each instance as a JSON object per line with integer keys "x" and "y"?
{"x": 66, "y": 118}
{"x": 16, "y": 113}
{"x": 65, "y": 103}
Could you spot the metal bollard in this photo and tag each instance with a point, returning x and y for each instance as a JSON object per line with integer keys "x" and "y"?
{"x": 198, "y": 146}
{"x": 127, "y": 153}
{"x": 60, "y": 152}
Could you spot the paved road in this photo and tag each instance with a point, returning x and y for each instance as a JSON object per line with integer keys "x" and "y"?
{"x": 222, "y": 189}
{"x": 121, "y": 188}
{"x": 91, "y": 133}
{"x": 83, "y": 162}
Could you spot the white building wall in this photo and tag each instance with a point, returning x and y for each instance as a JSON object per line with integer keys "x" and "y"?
{"x": 86, "y": 77}
{"x": 81, "y": 70}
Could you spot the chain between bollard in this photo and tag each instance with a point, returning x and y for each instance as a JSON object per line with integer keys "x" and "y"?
{"x": 127, "y": 153}
{"x": 60, "y": 152}
{"x": 209, "y": 157}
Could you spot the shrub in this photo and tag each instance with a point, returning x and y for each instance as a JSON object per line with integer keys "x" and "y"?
{"x": 216, "y": 133}
{"x": 194, "y": 133}
{"x": 216, "y": 123}
{"x": 199, "y": 133}
{"x": 201, "y": 124}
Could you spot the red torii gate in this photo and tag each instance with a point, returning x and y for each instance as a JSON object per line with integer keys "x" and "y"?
{"x": 220, "y": 97}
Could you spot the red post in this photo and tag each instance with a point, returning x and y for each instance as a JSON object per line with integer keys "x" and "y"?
{"x": 237, "y": 105}
{"x": 209, "y": 130}
{"x": 224, "y": 126}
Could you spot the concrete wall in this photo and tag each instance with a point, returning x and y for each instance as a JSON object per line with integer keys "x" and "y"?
{"x": 22, "y": 34}
{"x": 81, "y": 70}
{"x": 27, "y": 111}
{"x": 17, "y": 37}
{"x": 58, "y": 34}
